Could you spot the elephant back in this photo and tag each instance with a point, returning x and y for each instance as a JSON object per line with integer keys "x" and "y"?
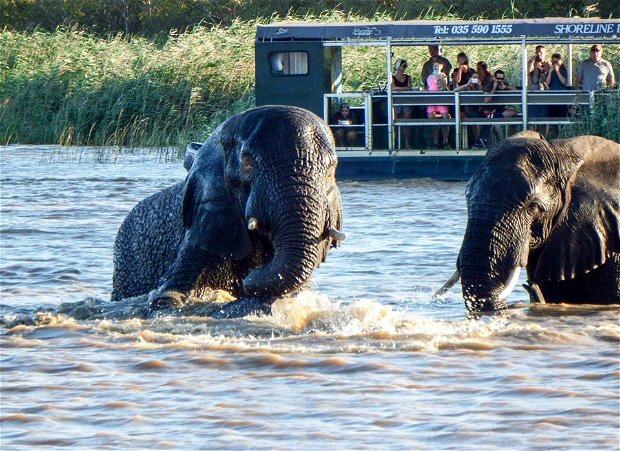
{"x": 147, "y": 243}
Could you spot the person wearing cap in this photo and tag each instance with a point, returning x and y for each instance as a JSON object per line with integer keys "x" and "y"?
{"x": 595, "y": 72}
{"x": 434, "y": 51}
{"x": 402, "y": 82}
{"x": 345, "y": 135}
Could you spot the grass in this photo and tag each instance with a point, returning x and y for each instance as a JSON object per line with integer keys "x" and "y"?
{"x": 603, "y": 120}
{"x": 72, "y": 88}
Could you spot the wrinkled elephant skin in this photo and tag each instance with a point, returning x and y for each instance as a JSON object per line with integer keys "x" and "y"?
{"x": 258, "y": 211}
{"x": 551, "y": 207}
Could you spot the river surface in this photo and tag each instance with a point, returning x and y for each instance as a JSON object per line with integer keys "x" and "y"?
{"x": 367, "y": 359}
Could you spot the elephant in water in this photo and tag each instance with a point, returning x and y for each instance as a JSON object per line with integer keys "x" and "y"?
{"x": 552, "y": 207}
{"x": 257, "y": 212}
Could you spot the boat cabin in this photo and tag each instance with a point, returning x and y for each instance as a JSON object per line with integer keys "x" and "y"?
{"x": 301, "y": 64}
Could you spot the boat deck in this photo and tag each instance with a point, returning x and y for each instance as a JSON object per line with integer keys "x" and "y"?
{"x": 448, "y": 165}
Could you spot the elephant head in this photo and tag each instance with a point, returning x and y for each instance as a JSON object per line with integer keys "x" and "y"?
{"x": 260, "y": 195}
{"x": 553, "y": 207}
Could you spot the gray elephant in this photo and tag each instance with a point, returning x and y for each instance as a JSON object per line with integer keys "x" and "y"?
{"x": 257, "y": 212}
{"x": 552, "y": 207}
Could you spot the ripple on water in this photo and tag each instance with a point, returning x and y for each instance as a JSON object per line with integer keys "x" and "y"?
{"x": 367, "y": 360}
{"x": 152, "y": 365}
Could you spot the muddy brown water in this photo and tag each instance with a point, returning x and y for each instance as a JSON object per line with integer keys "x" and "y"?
{"x": 365, "y": 360}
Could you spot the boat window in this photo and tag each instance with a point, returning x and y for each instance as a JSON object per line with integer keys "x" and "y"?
{"x": 289, "y": 63}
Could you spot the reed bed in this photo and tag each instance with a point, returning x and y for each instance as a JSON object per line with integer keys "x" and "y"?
{"x": 70, "y": 88}
{"x": 73, "y": 88}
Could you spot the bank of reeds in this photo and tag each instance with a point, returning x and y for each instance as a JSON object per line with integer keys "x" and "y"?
{"x": 72, "y": 88}
{"x": 602, "y": 120}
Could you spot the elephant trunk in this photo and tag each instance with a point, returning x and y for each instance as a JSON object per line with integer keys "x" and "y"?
{"x": 488, "y": 263}
{"x": 288, "y": 271}
{"x": 297, "y": 240}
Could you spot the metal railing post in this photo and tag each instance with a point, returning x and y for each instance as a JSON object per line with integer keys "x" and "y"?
{"x": 457, "y": 118}
{"x": 390, "y": 111}
{"x": 524, "y": 78}
{"x": 368, "y": 120}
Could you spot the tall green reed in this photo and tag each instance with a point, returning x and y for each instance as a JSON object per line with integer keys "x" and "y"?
{"x": 69, "y": 88}
{"x": 602, "y": 120}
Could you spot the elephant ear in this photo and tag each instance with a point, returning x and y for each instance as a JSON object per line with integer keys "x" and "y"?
{"x": 588, "y": 230}
{"x": 210, "y": 216}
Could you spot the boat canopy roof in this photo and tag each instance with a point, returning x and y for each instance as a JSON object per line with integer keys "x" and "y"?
{"x": 428, "y": 32}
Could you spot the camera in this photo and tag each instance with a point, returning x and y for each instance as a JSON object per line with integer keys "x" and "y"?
{"x": 538, "y": 59}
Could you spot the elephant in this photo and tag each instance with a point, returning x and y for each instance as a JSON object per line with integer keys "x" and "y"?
{"x": 257, "y": 212}
{"x": 552, "y": 207}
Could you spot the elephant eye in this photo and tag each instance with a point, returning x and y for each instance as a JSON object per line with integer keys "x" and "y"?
{"x": 535, "y": 207}
{"x": 247, "y": 168}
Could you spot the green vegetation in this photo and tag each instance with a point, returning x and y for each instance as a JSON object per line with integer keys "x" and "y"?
{"x": 150, "y": 18}
{"x": 69, "y": 87}
{"x": 77, "y": 88}
{"x": 603, "y": 120}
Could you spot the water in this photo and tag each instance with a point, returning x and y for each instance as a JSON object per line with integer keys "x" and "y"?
{"x": 367, "y": 360}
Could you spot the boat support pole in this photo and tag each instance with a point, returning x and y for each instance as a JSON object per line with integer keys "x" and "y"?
{"x": 390, "y": 110}
{"x": 524, "y": 76}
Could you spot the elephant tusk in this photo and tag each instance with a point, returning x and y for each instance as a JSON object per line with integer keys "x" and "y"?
{"x": 337, "y": 235}
{"x": 511, "y": 283}
{"x": 535, "y": 293}
{"x": 449, "y": 284}
{"x": 252, "y": 223}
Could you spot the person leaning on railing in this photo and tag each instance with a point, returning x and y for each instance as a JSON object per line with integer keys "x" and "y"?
{"x": 483, "y": 81}
{"x": 500, "y": 84}
{"x": 472, "y": 111}
{"x": 538, "y": 67}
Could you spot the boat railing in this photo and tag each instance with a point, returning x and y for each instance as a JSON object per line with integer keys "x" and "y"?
{"x": 366, "y": 103}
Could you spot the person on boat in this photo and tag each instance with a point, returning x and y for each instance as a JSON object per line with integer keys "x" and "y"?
{"x": 486, "y": 78}
{"x": 463, "y": 72}
{"x": 501, "y": 84}
{"x": 345, "y": 136}
{"x": 537, "y": 68}
{"x": 557, "y": 80}
{"x": 438, "y": 81}
{"x": 557, "y": 77}
{"x": 595, "y": 73}
{"x": 434, "y": 51}
{"x": 460, "y": 77}
{"x": 483, "y": 81}
{"x": 402, "y": 82}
